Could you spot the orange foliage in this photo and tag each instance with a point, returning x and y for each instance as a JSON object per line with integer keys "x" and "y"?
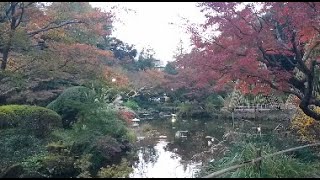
{"x": 149, "y": 79}
{"x": 121, "y": 80}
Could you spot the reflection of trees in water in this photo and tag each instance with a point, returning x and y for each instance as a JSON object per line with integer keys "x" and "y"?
{"x": 189, "y": 146}
{"x": 149, "y": 154}
{"x": 185, "y": 148}
{"x": 195, "y": 142}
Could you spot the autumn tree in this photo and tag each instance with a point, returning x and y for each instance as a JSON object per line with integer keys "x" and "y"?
{"x": 56, "y": 42}
{"x": 37, "y": 23}
{"x": 261, "y": 46}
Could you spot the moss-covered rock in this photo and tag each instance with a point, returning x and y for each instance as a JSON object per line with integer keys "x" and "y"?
{"x": 29, "y": 119}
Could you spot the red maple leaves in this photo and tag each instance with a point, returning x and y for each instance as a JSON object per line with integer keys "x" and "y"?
{"x": 254, "y": 46}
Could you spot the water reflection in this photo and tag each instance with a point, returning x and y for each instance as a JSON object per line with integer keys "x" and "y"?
{"x": 175, "y": 157}
{"x": 159, "y": 162}
{"x": 182, "y": 157}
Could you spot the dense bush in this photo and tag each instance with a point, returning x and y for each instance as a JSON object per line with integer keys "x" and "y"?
{"x": 29, "y": 119}
{"x": 116, "y": 171}
{"x": 96, "y": 138}
{"x": 16, "y": 147}
{"x": 98, "y": 132}
{"x": 213, "y": 103}
{"x": 71, "y": 102}
{"x": 184, "y": 109}
{"x": 131, "y": 104}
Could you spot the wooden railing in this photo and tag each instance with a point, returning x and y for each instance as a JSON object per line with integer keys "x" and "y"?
{"x": 263, "y": 107}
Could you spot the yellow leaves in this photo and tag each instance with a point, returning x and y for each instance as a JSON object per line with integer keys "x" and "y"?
{"x": 306, "y": 127}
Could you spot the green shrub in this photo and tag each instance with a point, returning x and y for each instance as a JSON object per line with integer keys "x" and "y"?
{"x": 213, "y": 104}
{"x": 184, "y": 109}
{"x": 29, "y": 119}
{"x": 130, "y": 136}
{"x": 58, "y": 166}
{"x": 132, "y": 104}
{"x": 71, "y": 102}
{"x": 84, "y": 164}
{"x": 146, "y": 127}
{"x": 33, "y": 163}
{"x": 15, "y": 147}
{"x": 116, "y": 171}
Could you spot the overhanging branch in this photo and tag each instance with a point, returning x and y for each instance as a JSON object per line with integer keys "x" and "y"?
{"x": 47, "y": 28}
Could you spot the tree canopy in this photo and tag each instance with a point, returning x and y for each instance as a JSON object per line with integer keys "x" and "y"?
{"x": 271, "y": 46}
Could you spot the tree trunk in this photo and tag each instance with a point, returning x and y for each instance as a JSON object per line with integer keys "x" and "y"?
{"x": 13, "y": 27}
{"x": 5, "y": 55}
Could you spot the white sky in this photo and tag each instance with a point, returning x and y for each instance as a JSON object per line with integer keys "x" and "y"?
{"x": 151, "y": 25}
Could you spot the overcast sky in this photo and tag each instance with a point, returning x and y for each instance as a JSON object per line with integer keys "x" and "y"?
{"x": 158, "y": 25}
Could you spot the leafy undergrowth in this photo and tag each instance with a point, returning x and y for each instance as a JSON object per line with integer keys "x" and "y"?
{"x": 302, "y": 163}
{"x": 306, "y": 127}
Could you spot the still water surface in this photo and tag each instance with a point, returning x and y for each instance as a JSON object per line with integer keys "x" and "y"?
{"x": 165, "y": 156}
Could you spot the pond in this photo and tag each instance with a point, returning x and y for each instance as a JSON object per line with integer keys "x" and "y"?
{"x": 162, "y": 155}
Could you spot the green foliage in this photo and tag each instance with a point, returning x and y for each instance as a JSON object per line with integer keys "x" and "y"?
{"x": 84, "y": 163}
{"x": 33, "y": 163}
{"x": 131, "y": 104}
{"x": 21, "y": 40}
{"x": 170, "y": 69}
{"x": 185, "y": 109}
{"x": 98, "y": 132}
{"x": 280, "y": 166}
{"x": 146, "y": 128}
{"x": 214, "y": 103}
{"x": 29, "y": 119}
{"x": 146, "y": 60}
{"x": 15, "y": 147}
{"x": 130, "y": 136}
{"x": 71, "y": 102}
{"x": 55, "y": 165}
{"x": 9, "y": 79}
{"x": 116, "y": 171}
{"x": 58, "y": 147}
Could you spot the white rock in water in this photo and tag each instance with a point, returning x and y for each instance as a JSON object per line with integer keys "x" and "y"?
{"x": 162, "y": 137}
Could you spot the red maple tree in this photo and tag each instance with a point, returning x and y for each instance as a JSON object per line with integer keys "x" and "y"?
{"x": 271, "y": 46}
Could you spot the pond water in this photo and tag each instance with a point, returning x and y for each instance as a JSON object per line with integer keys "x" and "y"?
{"x": 164, "y": 156}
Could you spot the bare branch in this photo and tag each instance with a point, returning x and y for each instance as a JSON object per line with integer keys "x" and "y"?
{"x": 21, "y": 15}
{"x": 299, "y": 57}
{"x": 47, "y": 28}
